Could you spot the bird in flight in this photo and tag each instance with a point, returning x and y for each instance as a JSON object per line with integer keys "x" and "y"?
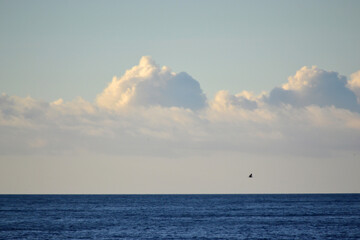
{"x": 250, "y": 176}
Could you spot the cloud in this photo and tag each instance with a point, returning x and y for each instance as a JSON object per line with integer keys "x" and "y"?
{"x": 223, "y": 99}
{"x": 354, "y": 84}
{"x": 17, "y": 111}
{"x": 161, "y": 131}
{"x": 153, "y": 112}
{"x": 149, "y": 85}
{"x": 314, "y": 86}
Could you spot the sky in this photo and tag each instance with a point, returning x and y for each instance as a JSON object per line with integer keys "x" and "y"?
{"x": 179, "y": 97}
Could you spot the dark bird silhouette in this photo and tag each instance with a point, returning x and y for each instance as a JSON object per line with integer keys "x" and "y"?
{"x": 250, "y": 176}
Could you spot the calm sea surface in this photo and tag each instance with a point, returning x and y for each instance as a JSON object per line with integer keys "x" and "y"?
{"x": 324, "y": 216}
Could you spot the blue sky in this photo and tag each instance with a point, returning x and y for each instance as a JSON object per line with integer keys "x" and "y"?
{"x": 52, "y": 49}
{"x": 179, "y": 96}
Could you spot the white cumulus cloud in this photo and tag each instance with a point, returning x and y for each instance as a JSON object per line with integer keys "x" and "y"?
{"x": 354, "y": 84}
{"x": 154, "y": 112}
{"x": 147, "y": 84}
{"x": 223, "y": 99}
{"x": 315, "y": 86}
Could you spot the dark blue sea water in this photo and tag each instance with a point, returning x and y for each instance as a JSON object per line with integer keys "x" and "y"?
{"x": 324, "y": 216}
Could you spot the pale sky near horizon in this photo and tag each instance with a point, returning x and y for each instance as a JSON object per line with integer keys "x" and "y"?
{"x": 179, "y": 96}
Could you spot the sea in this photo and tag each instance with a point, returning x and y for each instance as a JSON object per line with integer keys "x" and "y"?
{"x": 238, "y": 216}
